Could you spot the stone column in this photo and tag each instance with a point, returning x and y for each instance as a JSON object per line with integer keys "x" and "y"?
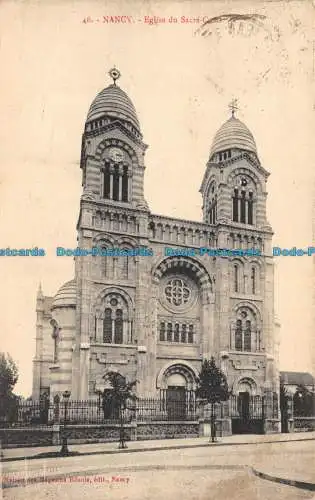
{"x": 129, "y": 185}
{"x": 120, "y": 182}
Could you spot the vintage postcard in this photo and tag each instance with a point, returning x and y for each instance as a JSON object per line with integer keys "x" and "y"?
{"x": 157, "y": 249}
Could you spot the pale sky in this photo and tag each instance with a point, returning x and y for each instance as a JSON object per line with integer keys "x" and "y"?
{"x": 180, "y": 82}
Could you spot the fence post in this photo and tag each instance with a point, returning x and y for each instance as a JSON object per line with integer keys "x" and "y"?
{"x": 56, "y": 420}
{"x": 290, "y": 413}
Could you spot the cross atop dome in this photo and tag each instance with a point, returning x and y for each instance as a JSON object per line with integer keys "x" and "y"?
{"x": 114, "y": 74}
{"x": 233, "y": 106}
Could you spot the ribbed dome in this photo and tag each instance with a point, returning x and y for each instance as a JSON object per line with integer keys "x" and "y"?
{"x": 66, "y": 295}
{"x": 113, "y": 102}
{"x": 233, "y": 134}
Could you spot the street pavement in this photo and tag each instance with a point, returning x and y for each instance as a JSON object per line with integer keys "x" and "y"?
{"x": 12, "y": 453}
{"x": 205, "y": 472}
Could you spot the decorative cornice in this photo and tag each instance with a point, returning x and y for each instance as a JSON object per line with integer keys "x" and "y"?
{"x": 116, "y": 124}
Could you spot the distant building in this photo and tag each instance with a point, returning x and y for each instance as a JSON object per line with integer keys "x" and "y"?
{"x": 155, "y": 318}
{"x": 292, "y": 380}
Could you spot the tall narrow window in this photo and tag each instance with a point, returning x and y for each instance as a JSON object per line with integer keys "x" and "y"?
{"x": 191, "y": 334}
{"x": 236, "y": 279}
{"x": 116, "y": 184}
{"x": 235, "y": 205}
{"x": 104, "y": 265}
{"x": 250, "y": 204}
{"x": 106, "y": 183}
{"x": 107, "y": 327}
{"x": 176, "y": 333}
{"x": 125, "y": 185}
{"x": 238, "y": 336}
{"x": 162, "y": 331}
{"x": 125, "y": 264}
{"x": 118, "y": 338}
{"x": 169, "y": 332}
{"x": 243, "y": 207}
{"x": 183, "y": 336}
{"x": 253, "y": 280}
{"x": 247, "y": 337}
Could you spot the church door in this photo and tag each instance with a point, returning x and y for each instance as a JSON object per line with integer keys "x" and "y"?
{"x": 176, "y": 403}
{"x": 247, "y": 414}
{"x": 243, "y": 405}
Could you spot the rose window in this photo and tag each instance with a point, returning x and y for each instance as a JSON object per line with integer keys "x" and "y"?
{"x": 177, "y": 292}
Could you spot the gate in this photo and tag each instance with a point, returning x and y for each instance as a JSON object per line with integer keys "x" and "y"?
{"x": 247, "y": 413}
{"x": 176, "y": 403}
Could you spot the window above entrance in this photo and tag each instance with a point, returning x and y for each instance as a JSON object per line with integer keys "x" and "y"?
{"x": 178, "y": 293}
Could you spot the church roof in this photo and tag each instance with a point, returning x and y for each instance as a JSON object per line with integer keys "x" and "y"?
{"x": 297, "y": 378}
{"x": 66, "y": 295}
{"x": 113, "y": 102}
{"x": 233, "y": 134}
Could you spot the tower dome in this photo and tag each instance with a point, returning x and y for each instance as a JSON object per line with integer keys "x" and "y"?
{"x": 66, "y": 295}
{"x": 113, "y": 102}
{"x": 233, "y": 134}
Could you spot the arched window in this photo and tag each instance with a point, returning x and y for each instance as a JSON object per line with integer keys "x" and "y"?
{"x": 104, "y": 265}
{"x": 107, "y": 326}
{"x": 106, "y": 183}
{"x": 116, "y": 183}
{"x": 176, "y": 333}
{"x": 235, "y": 205}
{"x": 162, "y": 331}
{"x": 250, "y": 204}
{"x": 236, "y": 278}
{"x": 253, "y": 281}
{"x": 183, "y": 333}
{"x": 243, "y": 207}
{"x": 238, "y": 336}
{"x": 114, "y": 320}
{"x": 125, "y": 181}
{"x": 247, "y": 337}
{"x": 243, "y": 201}
{"x": 118, "y": 334}
{"x": 191, "y": 334}
{"x": 115, "y": 180}
{"x": 125, "y": 269}
{"x": 169, "y": 332}
{"x": 246, "y": 334}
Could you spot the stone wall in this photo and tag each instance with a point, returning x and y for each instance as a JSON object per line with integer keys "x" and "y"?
{"x": 304, "y": 424}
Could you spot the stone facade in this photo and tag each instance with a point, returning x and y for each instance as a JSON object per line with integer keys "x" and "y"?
{"x": 155, "y": 318}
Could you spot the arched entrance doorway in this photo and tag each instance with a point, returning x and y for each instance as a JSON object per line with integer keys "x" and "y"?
{"x": 247, "y": 408}
{"x": 176, "y": 397}
{"x": 177, "y": 384}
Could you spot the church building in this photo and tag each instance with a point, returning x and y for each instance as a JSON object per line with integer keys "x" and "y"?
{"x": 150, "y": 313}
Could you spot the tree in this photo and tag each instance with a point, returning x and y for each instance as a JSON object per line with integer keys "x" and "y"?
{"x": 303, "y": 402}
{"x": 115, "y": 400}
{"x": 212, "y": 387}
{"x": 8, "y": 379}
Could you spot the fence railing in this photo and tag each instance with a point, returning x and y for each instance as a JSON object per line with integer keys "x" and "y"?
{"x": 85, "y": 412}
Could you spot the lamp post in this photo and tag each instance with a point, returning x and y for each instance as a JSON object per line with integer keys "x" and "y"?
{"x": 64, "y": 452}
{"x": 122, "y": 442}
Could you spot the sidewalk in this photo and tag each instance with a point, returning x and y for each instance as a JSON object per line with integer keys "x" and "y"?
{"x": 12, "y": 454}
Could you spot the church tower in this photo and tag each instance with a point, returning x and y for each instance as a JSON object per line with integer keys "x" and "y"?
{"x": 234, "y": 202}
{"x": 113, "y": 215}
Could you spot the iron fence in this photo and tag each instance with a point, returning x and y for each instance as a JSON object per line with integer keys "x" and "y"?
{"x": 28, "y": 413}
{"x": 164, "y": 410}
{"x": 88, "y": 412}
